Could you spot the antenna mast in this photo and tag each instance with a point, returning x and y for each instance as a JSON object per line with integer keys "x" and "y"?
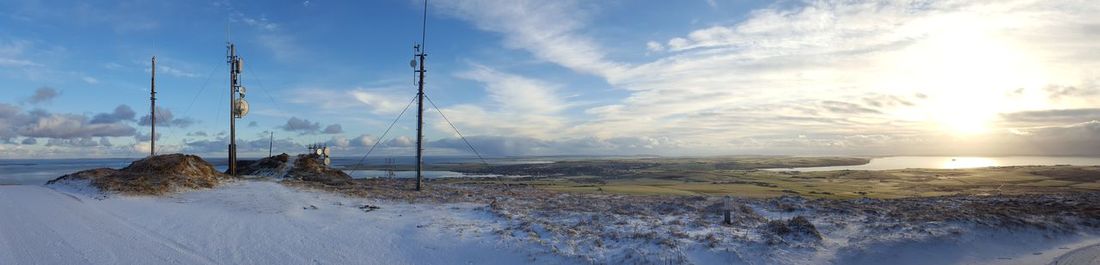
{"x": 238, "y": 107}
{"x": 270, "y": 143}
{"x": 420, "y": 54}
{"x": 153, "y": 110}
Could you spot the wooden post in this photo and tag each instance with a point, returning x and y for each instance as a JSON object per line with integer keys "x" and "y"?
{"x": 727, "y": 215}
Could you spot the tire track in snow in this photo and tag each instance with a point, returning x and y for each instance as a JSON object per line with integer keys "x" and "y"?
{"x": 151, "y": 234}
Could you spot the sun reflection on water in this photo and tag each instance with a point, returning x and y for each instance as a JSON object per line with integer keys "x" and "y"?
{"x": 970, "y": 162}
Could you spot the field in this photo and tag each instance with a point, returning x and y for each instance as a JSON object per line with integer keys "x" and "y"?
{"x": 742, "y": 177}
{"x": 670, "y": 211}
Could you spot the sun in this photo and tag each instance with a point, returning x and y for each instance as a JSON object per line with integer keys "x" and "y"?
{"x": 964, "y": 72}
{"x": 966, "y": 124}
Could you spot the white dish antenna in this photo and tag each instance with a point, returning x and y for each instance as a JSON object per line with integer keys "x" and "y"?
{"x": 326, "y": 151}
{"x": 242, "y": 108}
{"x": 328, "y": 161}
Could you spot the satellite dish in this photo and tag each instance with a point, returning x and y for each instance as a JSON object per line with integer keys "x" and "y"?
{"x": 326, "y": 152}
{"x": 242, "y": 108}
{"x": 243, "y": 90}
{"x": 317, "y": 151}
{"x": 328, "y": 161}
{"x": 412, "y": 63}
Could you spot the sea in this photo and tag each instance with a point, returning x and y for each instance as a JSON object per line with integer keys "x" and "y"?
{"x": 39, "y": 171}
{"x": 952, "y": 162}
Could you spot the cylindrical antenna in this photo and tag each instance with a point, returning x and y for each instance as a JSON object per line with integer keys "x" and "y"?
{"x": 424, "y": 27}
{"x": 153, "y": 109}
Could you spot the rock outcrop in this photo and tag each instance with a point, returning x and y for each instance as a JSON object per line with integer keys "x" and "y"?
{"x": 155, "y": 175}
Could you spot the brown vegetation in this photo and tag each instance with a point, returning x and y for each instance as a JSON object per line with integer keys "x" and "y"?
{"x": 155, "y": 175}
{"x": 309, "y": 167}
{"x": 274, "y": 166}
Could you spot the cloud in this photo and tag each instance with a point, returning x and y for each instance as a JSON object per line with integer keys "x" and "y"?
{"x": 333, "y": 129}
{"x": 259, "y": 23}
{"x": 143, "y": 137}
{"x": 173, "y": 71}
{"x": 270, "y": 34}
{"x": 363, "y": 140}
{"x": 400, "y": 141}
{"x": 339, "y": 141}
{"x": 550, "y": 30}
{"x": 302, "y": 126}
{"x": 253, "y": 124}
{"x": 245, "y": 147}
{"x": 712, "y": 3}
{"x": 90, "y": 80}
{"x": 518, "y": 105}
{"x": 836, "y": 72}
{"x": 654, "y": 46}
{"x": 379, "y": 100}
{"x": 69, "y": 126}
{"x": 121, "y": 113}
{"x": 1044, "y": 117}
{"x": 74, "y": 142}
{"x": 284, "y": 47}
{"x": 1056, "y": 92}
{"x": 29, "y": 141}
{"x": 12, "y": 52}
{"x": 43, "y": 94}
{"x": 165, "y": 118}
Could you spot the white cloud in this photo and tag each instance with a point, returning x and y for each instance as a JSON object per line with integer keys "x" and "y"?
{"x": 12, "y": 52}
{"x": 90, "y": 80}
{"x": 283, "y": 46}
{"x": 654, "y": 46}
{"x": 519, "y": 106}
{"x": 827, "y": 70}
{"x": 382, "y": 100}
{"x": 551, "y": 30}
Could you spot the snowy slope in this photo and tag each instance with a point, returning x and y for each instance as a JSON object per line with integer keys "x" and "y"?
{"x": 245, "y": 222}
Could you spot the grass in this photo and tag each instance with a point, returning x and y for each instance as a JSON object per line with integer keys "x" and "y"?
{"x": 842, "y": 184}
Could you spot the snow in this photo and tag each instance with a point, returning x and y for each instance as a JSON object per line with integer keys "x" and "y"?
{"x": 245, "y": 222}
{"x": 264, "y": 222}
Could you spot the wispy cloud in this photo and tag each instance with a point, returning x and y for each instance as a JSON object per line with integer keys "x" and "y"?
{"x": 825, "y": 71}
{"x": 519, "y": 106}
{"x": 551, "y": 30}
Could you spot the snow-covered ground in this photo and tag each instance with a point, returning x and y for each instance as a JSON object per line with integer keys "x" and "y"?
{"x": 245, "y": 222}
{"x": 265, "y": 222}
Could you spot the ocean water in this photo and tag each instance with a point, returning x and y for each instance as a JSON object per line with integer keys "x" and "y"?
{"x": 39, "y": 171}
{"x": 950, "y": 162}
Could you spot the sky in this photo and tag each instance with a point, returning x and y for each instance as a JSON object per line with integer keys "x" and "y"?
{"x": 525, "y": 78}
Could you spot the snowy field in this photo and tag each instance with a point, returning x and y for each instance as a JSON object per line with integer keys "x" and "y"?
{"x": 244, "y": 222}
{"x": 264, "y": 222}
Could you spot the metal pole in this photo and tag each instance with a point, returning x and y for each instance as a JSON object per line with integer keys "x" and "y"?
{"x": 420, "y": 124}
{"x": 270, "y": 143}
{"x": 153, "y": 110}
{"x": 232, "y": 109}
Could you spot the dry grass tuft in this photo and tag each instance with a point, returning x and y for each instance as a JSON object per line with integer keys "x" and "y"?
{"x": 155, "y": 175}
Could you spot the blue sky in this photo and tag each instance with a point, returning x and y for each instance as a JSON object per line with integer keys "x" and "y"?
{"x": 558, "y": 77}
